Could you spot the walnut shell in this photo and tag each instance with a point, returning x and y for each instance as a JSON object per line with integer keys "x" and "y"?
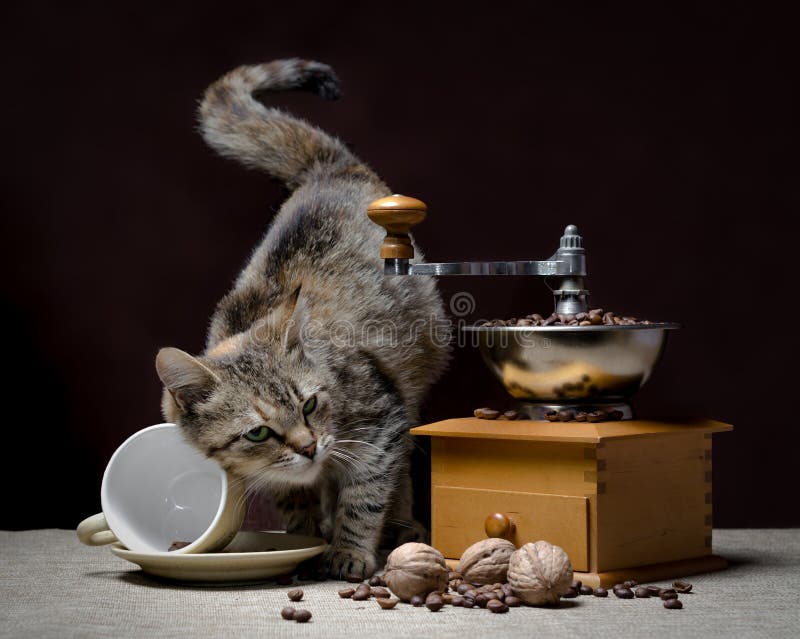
{"x": 486, "y": 562}
{"x": 539, "y": 573}
{"x": 415, "y": 569}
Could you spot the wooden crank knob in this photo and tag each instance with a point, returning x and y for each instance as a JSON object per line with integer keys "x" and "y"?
{"x": 499, "y": 525}
{"x": 397, "y": 214}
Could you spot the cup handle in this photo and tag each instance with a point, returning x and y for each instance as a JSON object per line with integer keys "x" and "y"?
{"x": 94, "y": 531}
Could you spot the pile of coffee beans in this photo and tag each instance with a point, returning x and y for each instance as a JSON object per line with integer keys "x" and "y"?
{"x": 595, "y": 317}
{"x": 491, "y": 413}
{"x": 498, "y": 598}
{"x": 582, "y": 416}
{"x": 632, "y": 590}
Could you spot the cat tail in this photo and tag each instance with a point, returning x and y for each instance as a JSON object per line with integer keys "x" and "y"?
{"x": 238, "y": 126}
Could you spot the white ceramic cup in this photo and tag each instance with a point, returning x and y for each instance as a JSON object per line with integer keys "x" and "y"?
{"x": 158, "y": 489}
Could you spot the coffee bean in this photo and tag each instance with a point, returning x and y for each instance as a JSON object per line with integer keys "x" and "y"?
{"x": 631, "y": 583}
{"x": 551, "y": 416}
{"x": 381, "y": 592}
{"x": 472, "y": 593}
{"x": 624, "y": 593}
{"x": 510, "y": 415}
{"x": 360, "y": 595}
{"x": 576, "y": 584}
{"x": 585, "y": 323}
{"x": 497, "y": 606}
{"x": 486, "y": 413}
{"x": 353, "y": 578}
{"x": 302, "y": 616}
{"x": 618, "y": 586}
{"x": 615, "y": 415}
{"x": 525, "y": 322}
{"x": 595, "y": 318}
{"x": 596, "y": 416}
{"x": 467, "y": 601}
{"x": 506, "y": 588}
{"x": 581, "y": 316}
{"x": 447, "y": 599}
{"x": 295, "y": 595}
{"x": 376, "y": 581}
{"x": 642, "y": 593}
{"x": 673, "y": 604}
{"x": 566, "y": 415}
{"x": 463, "y": 588}
{"x": 386, "y": 603}
{"x": 417, "y": 601}
{"x": 288, "y": 613}
{"x": 347, "y": 593}
{"x": 457, "y": 601}
{"x": 549, "y": 321}
{"x": 600, "y": 592}
{"x": 483, "y": 599}
{"x": 668, "y": 595}
{"x": 580, "y": 416}
{"x": 434, "y": 602}
{"x": 570, "y": 594}
{"x": 512, "y": 602}
{"x": 498, "y": 594}
{"x": 654, "y": 591}
{"x": 682, "y": 586}
{"x": 586, "y": 590}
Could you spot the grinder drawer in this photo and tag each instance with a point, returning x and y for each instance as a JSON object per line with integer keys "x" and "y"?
{"x": 458, "y": 515}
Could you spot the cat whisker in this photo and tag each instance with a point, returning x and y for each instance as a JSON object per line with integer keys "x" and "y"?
{"x": 358, "y": 441}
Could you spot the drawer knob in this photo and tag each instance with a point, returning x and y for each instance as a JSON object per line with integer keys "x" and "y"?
{"x": 499, "y": 525}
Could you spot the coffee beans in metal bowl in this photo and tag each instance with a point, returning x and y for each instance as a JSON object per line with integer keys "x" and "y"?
{"x": 594, "y": 317}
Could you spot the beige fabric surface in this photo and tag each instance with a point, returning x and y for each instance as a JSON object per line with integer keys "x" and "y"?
{"x": 52, "y": 586}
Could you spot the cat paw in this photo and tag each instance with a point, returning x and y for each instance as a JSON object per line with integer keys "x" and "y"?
{"x": 342, "y": 562}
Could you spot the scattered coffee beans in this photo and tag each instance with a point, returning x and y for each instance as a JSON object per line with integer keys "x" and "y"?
{"x": 434, "y": 602}
{"x": 376, "y": 581}
{"x": 288, "y": 613}
{"x": 668, "y": 593}
{"x": 631, "y": 583}
{"x": 491, "y": 413}
{"x": 360, "y": 595}
{"x": 497, "y": 606}
{"x": 594, "y": 317}
{"x": 380, "y": 592}
{"x": 570, "y": 594}
{"x": 302, "y": 616}
{"x": 600, "y": 592}
{"x": 177, "y": 545}
{"x": 295, "y": 595}
{"x": 624, "y": 593}
{"x": 463, "y": 588}
{"x": 586, "y": 590}
{"x": 347, "y": 593}
{"x": 673, "y": 604}
{"x": 654, "y": 591}
{"x": 682, "y": 586}
{"x": 642, "y": 593}
{"x": 417, "y": 601}
{"x": 512, "y": 602}
{"x": 576, "y": 584}
{"x": 386, "y": 603}
{"x": 353, "y": 579}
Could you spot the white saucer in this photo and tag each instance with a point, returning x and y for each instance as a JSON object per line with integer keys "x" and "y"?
{"x": 251, "y": 556}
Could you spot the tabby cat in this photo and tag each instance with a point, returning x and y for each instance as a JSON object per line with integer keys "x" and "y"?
{"x": 315, "y": 362}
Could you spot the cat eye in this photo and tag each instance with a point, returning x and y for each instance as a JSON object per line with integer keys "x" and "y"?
{"x": 258, "y": 434}
{"x": 310, "y": 405}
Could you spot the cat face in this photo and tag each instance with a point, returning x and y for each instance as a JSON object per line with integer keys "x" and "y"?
{"x": 260, "y": 407}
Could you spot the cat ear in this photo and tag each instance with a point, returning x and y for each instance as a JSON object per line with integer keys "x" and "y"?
{"x": 186, "y": 378}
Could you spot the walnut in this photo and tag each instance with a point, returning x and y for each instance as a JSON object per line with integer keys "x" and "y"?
{"x": 415, "y": 569}
{"x": 486, "y": 562}
{"x": 539, "y": 573}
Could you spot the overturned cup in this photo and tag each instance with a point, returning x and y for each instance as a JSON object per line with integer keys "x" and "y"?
{"x": 158, "y": 490}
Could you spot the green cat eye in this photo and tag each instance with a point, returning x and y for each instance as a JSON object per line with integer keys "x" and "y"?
{"x": 310, "y": 405}
{"x": 258, "y": 434}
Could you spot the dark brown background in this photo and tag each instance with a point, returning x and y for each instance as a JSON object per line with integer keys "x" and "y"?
{"x": 668, "y": 136}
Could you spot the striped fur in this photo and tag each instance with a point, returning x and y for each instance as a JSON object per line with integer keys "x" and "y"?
{"x": 276, "y": 339}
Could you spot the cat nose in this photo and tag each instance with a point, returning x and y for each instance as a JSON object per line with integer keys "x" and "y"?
{"x": 309, "y": 451}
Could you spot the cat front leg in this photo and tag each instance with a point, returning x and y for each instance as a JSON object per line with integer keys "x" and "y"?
{"x": 359, "y": 519}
